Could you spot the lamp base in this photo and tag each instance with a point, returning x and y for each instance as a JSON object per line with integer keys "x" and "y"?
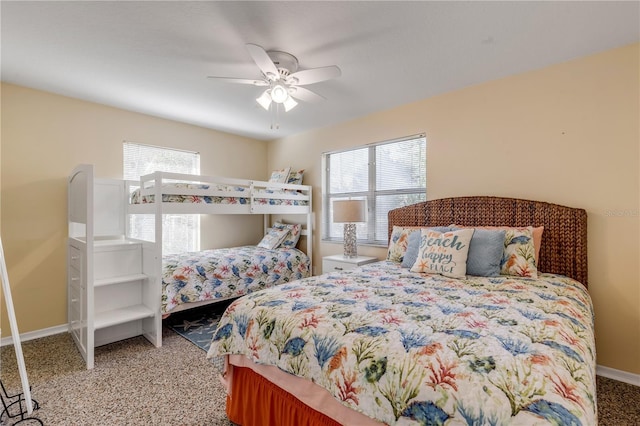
{"x": 350, "y": 241}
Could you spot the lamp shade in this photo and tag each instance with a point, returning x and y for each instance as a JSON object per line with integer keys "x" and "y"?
{"x": 348, "y": 211}
{"x": 264, "y": 100}
{"x": 289, "y": 104}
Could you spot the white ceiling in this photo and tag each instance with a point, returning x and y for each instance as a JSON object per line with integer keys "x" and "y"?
{"x": 154, "y": 57}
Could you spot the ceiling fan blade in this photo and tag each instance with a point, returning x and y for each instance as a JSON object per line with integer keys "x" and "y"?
{"x": 263, "y": 61}
{"x": 314, "y": 75}
{"x": 240, "y": 80}
{"x": 305, "y": 95}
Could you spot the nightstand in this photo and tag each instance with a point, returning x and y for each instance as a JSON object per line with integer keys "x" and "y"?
{"x": 340, "y": 263}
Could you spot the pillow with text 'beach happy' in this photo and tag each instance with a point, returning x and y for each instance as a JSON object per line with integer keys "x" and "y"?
{"x": 413, "y": 246}
{"x": 443, "y": 253}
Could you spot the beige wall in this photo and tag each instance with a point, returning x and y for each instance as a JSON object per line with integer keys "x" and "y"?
{"x": 43, "y": 137}
{"x": 567, "y": 134}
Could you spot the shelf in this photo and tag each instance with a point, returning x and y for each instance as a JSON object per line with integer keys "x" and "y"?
{"x": 119, "y": 280}
{"x": 116, "y": 242}
{"x": 121, "y": 316}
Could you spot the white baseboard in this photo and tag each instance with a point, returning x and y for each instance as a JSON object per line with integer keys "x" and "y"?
{"x": 619, "y": 375}
{"x": 608, "y": 372}
{"x": 30, "y": 335}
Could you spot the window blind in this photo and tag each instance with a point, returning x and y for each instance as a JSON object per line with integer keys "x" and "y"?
{"x": 386, "y": 174}
{"x": 180, "y": 232}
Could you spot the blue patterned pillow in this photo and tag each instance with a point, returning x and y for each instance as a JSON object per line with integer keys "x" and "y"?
{"x": 295, "y": 177}
{"x": 280, "y": 176}
{"x": 273, "y": 238}
{"x": 291, "y": 240}
{"x": 485, "y": 253}
{"x": 413, "y": 245}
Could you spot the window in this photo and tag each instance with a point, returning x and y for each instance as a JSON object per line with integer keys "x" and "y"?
{"x": 387, "y": 175}
{"x": 180, "y": 232}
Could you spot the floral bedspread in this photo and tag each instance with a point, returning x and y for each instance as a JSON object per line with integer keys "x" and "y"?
{"x": 407, "y": 348}
{"x": 227, "y": 272}
{"x": 136, "y": 198}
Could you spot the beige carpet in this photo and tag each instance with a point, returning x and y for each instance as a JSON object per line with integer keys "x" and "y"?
{"x": 134, "y": 383}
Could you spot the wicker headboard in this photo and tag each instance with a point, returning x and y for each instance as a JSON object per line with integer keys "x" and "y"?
{"x": 564, "y": 241}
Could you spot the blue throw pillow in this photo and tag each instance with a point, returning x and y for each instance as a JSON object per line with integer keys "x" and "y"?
{"x": 485, "y": 253}
{"x": 413, "y": 245}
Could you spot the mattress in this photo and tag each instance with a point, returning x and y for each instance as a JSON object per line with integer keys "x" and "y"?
{"x": 214, "y": 194}
{"x": 406, "y": 348}
{"x": 227, "y": 273}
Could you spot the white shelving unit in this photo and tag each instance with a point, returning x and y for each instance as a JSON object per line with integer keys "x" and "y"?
{"x": 112, "y": 291}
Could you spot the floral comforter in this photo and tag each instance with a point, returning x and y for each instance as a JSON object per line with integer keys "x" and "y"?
{"x": 407, "y": 348}
{"x": 137, "y": 198}
{"x": 228, "y": 272}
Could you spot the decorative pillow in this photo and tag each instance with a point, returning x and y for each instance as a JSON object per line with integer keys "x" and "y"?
{"x": 398, "y": 242}
{"x": 413, "y": 245}
{"x": 485, "y": 253}
{"x": 295, "y": 177}
{"x": 537, "y": 235}
{"x": 280, "y": 176}
{"x": 519, "y": 255}
{"x": 443, "y": 253}
{"x": 291, "y": 239}
{"x": 274, "y": 238}
{"x": 537, "y": 241}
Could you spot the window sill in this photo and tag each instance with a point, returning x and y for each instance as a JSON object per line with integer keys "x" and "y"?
{"x": 360, "y": 244}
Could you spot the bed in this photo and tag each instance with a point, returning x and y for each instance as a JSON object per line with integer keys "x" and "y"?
{"x": 196, "y": 278}
{"x": 217, "y": 194}
{"x": 115, "y": 278}
{"x": 382, "y": 344}
{"x": 193, "y": 279}
{"x": 190, "y": 194}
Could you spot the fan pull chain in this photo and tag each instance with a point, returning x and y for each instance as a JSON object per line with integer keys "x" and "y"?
{"x": 275, "y": 125}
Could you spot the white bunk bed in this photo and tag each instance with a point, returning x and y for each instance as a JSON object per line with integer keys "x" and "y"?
{"x": 195, "y": 194}
{"x": 114, "y": 280}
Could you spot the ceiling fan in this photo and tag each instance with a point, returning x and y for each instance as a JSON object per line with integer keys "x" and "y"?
{"x": 282, "y": 79}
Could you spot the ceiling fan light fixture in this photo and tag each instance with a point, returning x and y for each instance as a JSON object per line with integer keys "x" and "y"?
{"x": 281, "y": 80}
{"x": 279, "y": 93}
{"x": 264, "y": 100}
{"x": 289, "y": 104}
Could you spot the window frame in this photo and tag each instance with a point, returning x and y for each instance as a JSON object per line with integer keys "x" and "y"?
{"x": 168, "y": 218}
{"x": 370, "y": 194}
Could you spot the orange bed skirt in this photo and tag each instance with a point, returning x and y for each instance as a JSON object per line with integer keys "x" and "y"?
{"x": 255, "y": 401}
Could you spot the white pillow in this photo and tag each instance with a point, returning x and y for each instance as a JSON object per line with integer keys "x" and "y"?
{"x": 443, "y": 253}
{"x": 274, "y": 238}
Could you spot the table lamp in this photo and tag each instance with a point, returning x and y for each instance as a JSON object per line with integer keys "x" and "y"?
{"x": 349, "y": 212}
